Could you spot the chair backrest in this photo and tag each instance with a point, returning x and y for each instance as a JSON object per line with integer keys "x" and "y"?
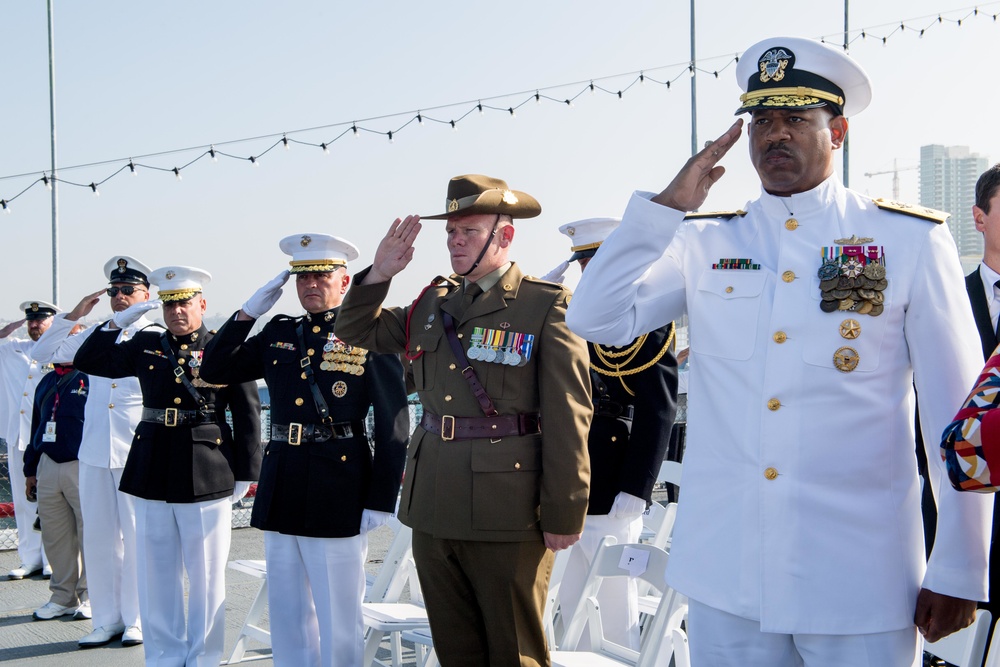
{"x": 551, "y": 600}
{"x": 993, "y": 655}
{"x": 397, "y": 567}
{"x": 643, "y": 562}
{"x": 670, "y": 473}
{"x": 966, "y": 647}
{"x": 659, "y": 521}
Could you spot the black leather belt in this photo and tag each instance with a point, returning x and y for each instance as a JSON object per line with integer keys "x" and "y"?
{"x": 175, "y": 417}
{"x": 470, "y": 428}
{"x": 296, "y": 434}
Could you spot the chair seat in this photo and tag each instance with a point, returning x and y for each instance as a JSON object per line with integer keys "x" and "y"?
{"x": 390, "y": 616}
{"x": 584, "y": 659}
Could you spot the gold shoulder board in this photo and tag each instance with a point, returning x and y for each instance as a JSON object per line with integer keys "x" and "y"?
{"x": 916, "y": 211}
{"x": 728, "y": 215}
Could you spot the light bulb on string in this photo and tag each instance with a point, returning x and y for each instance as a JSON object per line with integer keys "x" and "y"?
{"x": 480, "y": 107}
{"x": 326, "y": 148}
{"x": 254, "y": 161}
{"x": 6, "y": 206}
{"x": 390, "y": 137}
{"x": 284, "y": 140}
{"x": 177, "y": 173}
{"x": 420, "y": 118}
{"x": 592, "y": 88}
{"x": 569, "y": 103}
{"x": 47, "y": 182}
{"x": 211, "y": 151}
{"x": 511, "y": 110}
{"x": 131, "y": 167}
{"x": 454, "y": 126}
{"x": 93, "y": 187}
{"x": 354, "y": 128}
{"x": 642, "y": 78}
{"x": 538, "y": 98}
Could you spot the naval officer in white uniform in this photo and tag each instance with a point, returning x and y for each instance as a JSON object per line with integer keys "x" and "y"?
{"x": 813, "y": 312}
{"x": 113, "y": 409}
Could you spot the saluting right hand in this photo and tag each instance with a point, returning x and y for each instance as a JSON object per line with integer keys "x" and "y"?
{"x": 265, "y": 298}
{"x": 86, "y": 305}
{"x": 689, "y": 189}
{"x": 395, "y": 250}
{"x": 12, "y": 327}
{"x": 133, "y": 313}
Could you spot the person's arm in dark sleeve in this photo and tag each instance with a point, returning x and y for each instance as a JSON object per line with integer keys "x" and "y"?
{"x": 244, "y": 405}
{"x": 392, "y": 429}
{"x": 230, "y": 358}
{"x": 102, "y": 355}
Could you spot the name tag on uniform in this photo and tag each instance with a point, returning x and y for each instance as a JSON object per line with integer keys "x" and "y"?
{"x": 49, "y": 435}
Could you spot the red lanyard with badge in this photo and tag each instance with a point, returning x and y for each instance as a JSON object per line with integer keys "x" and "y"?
{"x": 49, "y": 435}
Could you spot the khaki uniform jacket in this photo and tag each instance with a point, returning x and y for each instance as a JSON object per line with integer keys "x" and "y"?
{"x": 505, "y": 491}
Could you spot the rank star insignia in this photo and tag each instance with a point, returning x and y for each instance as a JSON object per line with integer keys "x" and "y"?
{"x": 850, "y": 329}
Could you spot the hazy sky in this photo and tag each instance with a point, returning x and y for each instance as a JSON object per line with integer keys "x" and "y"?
{"x": 135, "y": 78}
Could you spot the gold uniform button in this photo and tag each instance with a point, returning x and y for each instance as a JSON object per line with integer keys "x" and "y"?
{"x": 274, "y": 363}
{"x": 151, "y": 368}
{"x": 508, "y": 287}
{"x": 299, "y": 401}
{"x": 177, "y": 401}
{"x": 418, "y": 348}
{"x": 343, "y": 458}
{"x": 729, "y": 290}
{"x": 791, "y": 224}
{"x": 461, "y": 335}
{"x": 452, "y": 367}
{"x": 111, "y": 406}
{"x": 25, "y": 394}
{"x": 788, "y": 276}
{"x": 770, "y": 473}
{"x": 177, "y": 380}
{"x": 310, "y": 352}
{"x": 517, "y": 466}
{"x": 779, "y": 337}
{"x": 773, "y": 404}
{"x": 304, "y": 376}
{"x": 29, "y": 377}
{"x": 22, "y": 412}
{"x": 316, "y": 329}
{"x": 114, "y": 385}
{"x": 184, "y": 346}
{"x": 218, "y": 441}
{"x": 448, "y": 397}
{"x": 181, "y": 361}
{"x": 614, "y": 438}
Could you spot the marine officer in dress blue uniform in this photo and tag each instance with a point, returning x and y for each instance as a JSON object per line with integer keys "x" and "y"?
{"x": 634, "y": 390}
{"x": 322, "y": 487}
{"x": 113, "y": 411}
{"x": 185, "y": 468}
{"x": 813, "y": 312}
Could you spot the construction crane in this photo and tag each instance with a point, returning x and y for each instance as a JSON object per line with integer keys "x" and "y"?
{"x": 895, "y": 176}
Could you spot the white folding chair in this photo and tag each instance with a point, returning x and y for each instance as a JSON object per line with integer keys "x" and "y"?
{"x": 966, "y": 647}
{"x": 670, "y": 473}
{"x": 251, "y": 629}
{"x": 398, "y": 553}
{"x": 641, "y": 561}
{"x": 993, "y": 655}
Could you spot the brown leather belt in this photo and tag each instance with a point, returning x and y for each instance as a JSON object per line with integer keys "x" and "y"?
{"x": 471, "y": 428}
{"x": 175, "y": 417}
{"x": 296, "y": 434}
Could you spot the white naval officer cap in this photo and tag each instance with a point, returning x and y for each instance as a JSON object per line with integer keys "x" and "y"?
{"x": 125, "y": 269}
{"x": 587, "y": 235}
{"x": 317, "y": 253}
{"x": 179, "y": 283}
{"x": 798, "y": 73}
{"x": 39, "y": 310}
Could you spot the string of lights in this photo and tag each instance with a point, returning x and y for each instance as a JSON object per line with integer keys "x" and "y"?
{"x": 501, "y": 104}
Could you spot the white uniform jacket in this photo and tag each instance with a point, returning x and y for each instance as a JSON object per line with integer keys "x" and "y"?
{"x": 801, "y": 500}
{"x": 114, "y": 407}
{"x": 20, "y": 373}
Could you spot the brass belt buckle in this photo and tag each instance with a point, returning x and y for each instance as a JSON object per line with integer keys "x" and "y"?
{"x": 170, "y": 417}
{"x": 447, "y": 428}
{"x": 294, "y": 434}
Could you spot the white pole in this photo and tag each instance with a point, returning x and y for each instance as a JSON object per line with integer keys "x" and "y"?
{"x": 54, "y": 182}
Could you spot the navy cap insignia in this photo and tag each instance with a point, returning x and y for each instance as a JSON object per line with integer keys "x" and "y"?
{"x": 170, "y": 275}
{"x": 306, "y": 240}
{"x": 34, "y": 307}
{"x": 773, "y": 63}
{"x": 122, "y": 265}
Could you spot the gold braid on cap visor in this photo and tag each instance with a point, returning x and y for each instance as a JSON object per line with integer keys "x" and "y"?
{"x": 588, "y": 246}
{"x": 315, "y": 266}
{"x": 177, "y": 294}
{"x": 794, "y": 96}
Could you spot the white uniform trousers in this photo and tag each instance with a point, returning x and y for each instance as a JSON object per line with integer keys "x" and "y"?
{"x": 109, "y": 546}
{"x": 172, "y": 538}
{"x": 29, "y": 541}
{"x": 721, "y": 639}
{"x": 62, "y": 529}
{"x": 315, "y": 586}
{"x": 619, "y": 597}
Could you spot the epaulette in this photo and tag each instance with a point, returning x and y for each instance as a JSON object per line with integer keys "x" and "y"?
{"x": 443, "y": 281}
{"x": 213, "y": 331}
{"x": 727, "y": 215}
{"x": 542, "y": 281}
{"x": 280, "y": 317}
{"x": 916, "y": 211}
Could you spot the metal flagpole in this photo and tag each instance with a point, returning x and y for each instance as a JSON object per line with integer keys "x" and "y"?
{"x": 694, "y": 91}
{"x": 847, "y": 171}
{"x": 54, "y": 182}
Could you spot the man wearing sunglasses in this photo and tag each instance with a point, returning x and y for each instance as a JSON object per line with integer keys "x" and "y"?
{"x": 110, "y": 417}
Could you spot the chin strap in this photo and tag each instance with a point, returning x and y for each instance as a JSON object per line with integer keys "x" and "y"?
{"x": 485, "y": 247}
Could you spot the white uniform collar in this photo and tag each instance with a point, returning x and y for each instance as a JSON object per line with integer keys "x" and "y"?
{"x": 829, "y": 193}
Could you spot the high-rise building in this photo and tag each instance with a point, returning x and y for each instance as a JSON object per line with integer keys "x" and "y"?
{"x": 948, "y": 176}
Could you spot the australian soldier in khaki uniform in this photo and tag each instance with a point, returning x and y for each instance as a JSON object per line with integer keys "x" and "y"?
{"x": 497, "y": 475}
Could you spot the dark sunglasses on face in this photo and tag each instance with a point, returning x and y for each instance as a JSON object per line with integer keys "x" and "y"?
{"x": 127, "y": 290}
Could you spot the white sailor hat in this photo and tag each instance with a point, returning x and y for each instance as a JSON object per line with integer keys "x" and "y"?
{"x": 797, "y": 73}
{"x": 38, "y": 310}
{"x": 125, "y": 269}
{"x": 179, "y": 283}
{"x": 317, "y": 253}
{"x": 588, "y": 234}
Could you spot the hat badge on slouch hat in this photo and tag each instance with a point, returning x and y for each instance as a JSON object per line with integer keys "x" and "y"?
{"x": 317, "y": 253}
{"x": 798, "y": 73}
{"x": 472, "y": 194}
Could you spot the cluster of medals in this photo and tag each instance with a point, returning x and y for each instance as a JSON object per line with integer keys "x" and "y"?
{"x": 852, "y": 277}
{"x": 339, "y": 356}
{"x": 500, "y": 347}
